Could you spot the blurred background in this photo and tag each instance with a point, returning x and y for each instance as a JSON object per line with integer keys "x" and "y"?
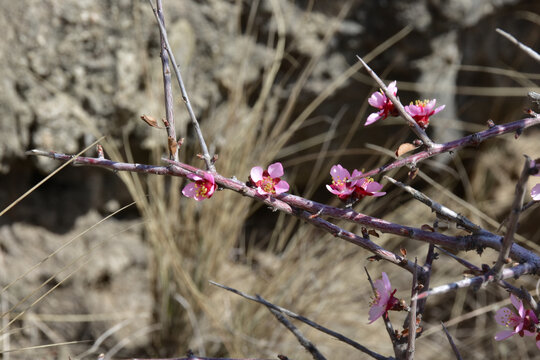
{"x": 270, "y": 80}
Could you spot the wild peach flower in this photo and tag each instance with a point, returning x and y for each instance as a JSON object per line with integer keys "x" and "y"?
{"x": 340, "y": 185}
{"x": 202, "y": 187}
{"x": 379, "y": 100}
{"x": 268, "y": 182}
{"x": 384, "y": 299}
{"x": 368, "y": 187}
{"x": 420, "y": 111}
{"x": 522, "y": 323}
{"x": 535, "y": 192}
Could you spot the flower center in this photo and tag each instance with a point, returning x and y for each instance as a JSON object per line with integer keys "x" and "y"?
{"x": 421, "y": 103}
{"x": 267, "y": 184}
{"x": 202, "y": 190}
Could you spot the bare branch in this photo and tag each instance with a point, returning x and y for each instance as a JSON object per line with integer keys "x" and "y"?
{"x": 523, "y": 47}
{"x": 415, "y": 127}
{"x": 308, "y": 345}
{"x": 438, "y": 208}
{"x": 206, "y": 155}
{"x": 412, "y": 317}
{"x": 471, "y": 140}
{"x": 451, "y": 341}
{"x": 513, "y": 217}
{"x": 304, "y": 320}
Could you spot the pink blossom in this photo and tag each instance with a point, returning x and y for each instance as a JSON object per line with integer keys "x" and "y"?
{"x": 379, "y": 100}
{"x": 340, "y": 185}
{"x": 368, "y": 187}
{"x": 202, "y": 187}
{"x": 535, "y": 192}
{"x": 384, "y": 299}
{"x": 420, "y": 111}
{"x": 268, "y": 182}
{"x": 522, "y": 323}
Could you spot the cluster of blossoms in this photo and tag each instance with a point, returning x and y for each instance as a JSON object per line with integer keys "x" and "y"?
{"x": 420, "y": 111}
{"x": 524, "y": 323}
{"x": 357, "y": 189}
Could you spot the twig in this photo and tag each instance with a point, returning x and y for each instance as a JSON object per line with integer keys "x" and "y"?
{"x": 438, "y": 208}
{"x": 451, "y": 341}
{"x": 305, "y": 320}
{"x": 69, "y": 161}
{"x": 167, "y": 89}
{"x": 197, "y": 358}
{"x": 478, "y": 281}
{"x": 308, "y": 345}
{"x": 522, "y": 46}
{"x": 290, "y": 204}
{"x": 194, "y": 122}
{"x": 415, "y": 127}
{"x": 387, "y": 323}
{"x": 412, "y": 317}
{"x": 513, "y": 218}
{"x": 425, "y": 278}
{"x": 471, "y": 140}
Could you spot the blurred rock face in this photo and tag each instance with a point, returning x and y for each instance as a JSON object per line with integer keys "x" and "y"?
{"x": 75, "y": 70}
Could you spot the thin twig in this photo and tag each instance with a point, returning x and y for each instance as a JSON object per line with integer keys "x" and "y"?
{"x": 451, "y": 341}
{"x": 425, "y": 278}
{"x": 412, "y": 317}
{"x": 206, "y": 155}
{"x": 470, "y": 140}
{"x": 522, "y": 46}
{"x": 482, "y": 280}
{"x": 305, "y": 320}
{"x": 290, "y": 204}
{"x": 167, "y": 90}
{"x": 415, "y": 127}
{"x": 308, "y": 345}
{"x": 438, "y": 208}
{"x": 387, "y": 323}
{"x": 513, "y": 218}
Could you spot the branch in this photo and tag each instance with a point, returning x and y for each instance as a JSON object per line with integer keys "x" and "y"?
{"x": 471, "y": 140}
{"x": 308, "y": 345}
{"x": 451, "y": 341}
{"x": 415, "y": 127}
{"x": 482, "y": 280}
{"x": 305, "y": 320}
{"x": 438, "y": 208}
{"x": 412, "y": 318}
{"x": 206, "y": 155}
{"x": 167, "y": 90}
{"x": 523, "y": 47}
{"x": 513, "y": 217}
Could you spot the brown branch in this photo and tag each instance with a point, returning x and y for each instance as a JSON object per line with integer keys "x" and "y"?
{"x": 412, "y": 318}
{"x": 513, "y": 217}
{"x": 471, "y": 140}
{"x": 206, "y": 155}
{"x": 308, "y": 345}
{"x": 305, "y": 320}
{"x": 167, "y": 89}
{"x": 415, "y": 127}
{"x": 451, "y": 341}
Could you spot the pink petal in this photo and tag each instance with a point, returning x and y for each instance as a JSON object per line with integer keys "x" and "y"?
{"x": 262, "y": 192}
{"x": 375, "y": 312}
{"x": 532, "y": 316}
{"x": 190, "y": 190}
{"x": 412, "y": 110}
{"x": 535, "y": 192}
{"x": 392, "y": 87}
{"x": 256, "y": 173}
{"x": 505, "y": 334}
{"x": 506, "y": 317}
{"x": 430, "y": 105}
{"x": 386, "y": 281}
{"x": 275, "y": 170}
{"x": 209, "y": 177}
{"x": 377, "y": 100}
{"x": 373, "y": 187}
{"x": 338, "y": 172}
{"x": 518, "y": 304}
{"x": 373, "y": 117}
{"x": 194, "y": 177}
{"x": 281, "y": 187}
{"x": 440, "y": 108}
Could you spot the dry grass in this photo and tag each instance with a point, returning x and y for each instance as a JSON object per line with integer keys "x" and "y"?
{"x": 233, "y": 241}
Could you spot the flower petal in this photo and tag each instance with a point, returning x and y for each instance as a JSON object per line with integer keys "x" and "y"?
{"x": 338, "y": 172}
{"x": 376, "y": 311}
{"x": 194, "y": 177}
{"x": 535, "y": 192}
{"x": 377, "y": 100}
{"x": 275, "y": 170}
{"x": 518, "y": 304}
{"x": 505, "y": 334}
{"x": 281, "y": 187}
{"x": 190, "y": 190}
{"x": 256, "y": 173}
{"x": 506, "y": 317}
{"x": 373, "y": 117}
